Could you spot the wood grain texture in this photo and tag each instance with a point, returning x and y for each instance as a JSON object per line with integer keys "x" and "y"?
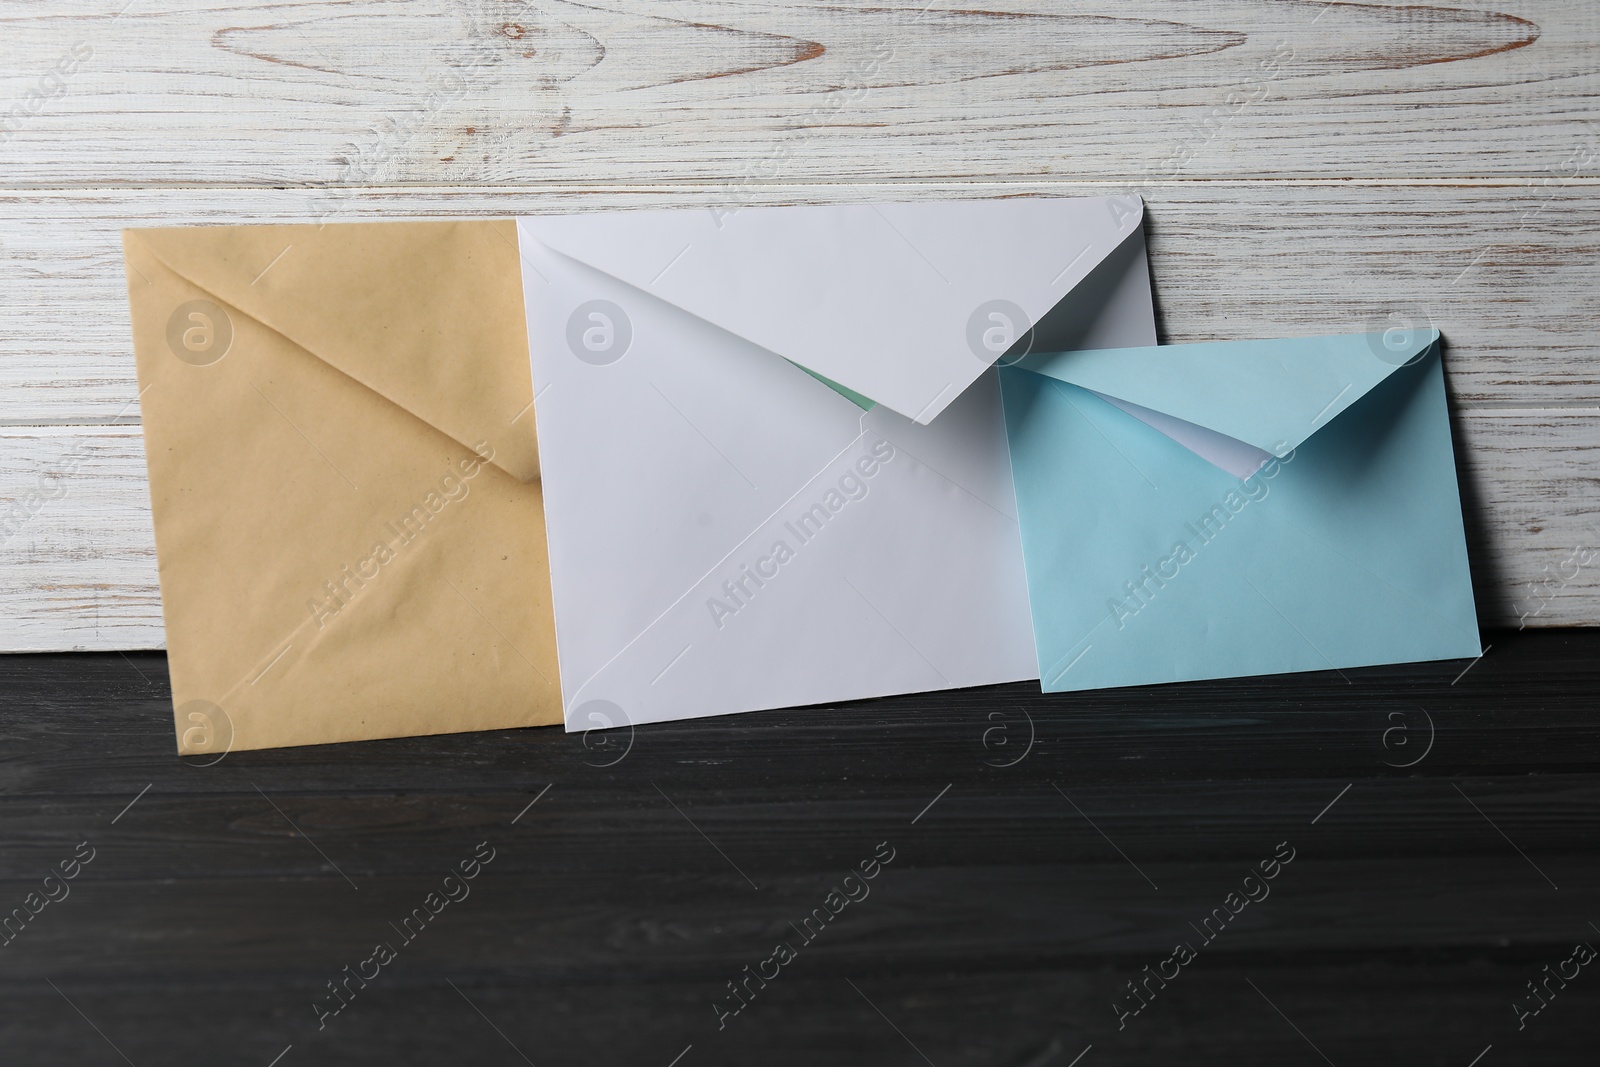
{"x": 1047, "y": 848}
{"x": 498, "y": 91}
{"x": 1308, "y": 167}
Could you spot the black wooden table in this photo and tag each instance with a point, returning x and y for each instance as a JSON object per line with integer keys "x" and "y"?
{"x": 1393, "y": 865}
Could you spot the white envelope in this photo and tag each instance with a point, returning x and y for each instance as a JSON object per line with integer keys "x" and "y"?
{"x": 728, "y": 533}
{"x": 906, "y": 304}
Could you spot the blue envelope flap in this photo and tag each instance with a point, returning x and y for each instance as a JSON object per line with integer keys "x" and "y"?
{"x": 1271, "y": 394}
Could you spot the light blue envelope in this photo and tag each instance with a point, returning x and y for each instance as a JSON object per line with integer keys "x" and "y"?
{"x": 1148, "y": 563}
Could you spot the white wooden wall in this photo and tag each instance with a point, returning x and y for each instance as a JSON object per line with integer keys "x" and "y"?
{"x": 1307, "y": 166}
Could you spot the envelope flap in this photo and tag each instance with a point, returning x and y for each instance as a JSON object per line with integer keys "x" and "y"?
{"x": 905, "y": 304}
{"x": 1270, "y": 394}
{"x": 426, "y": 314}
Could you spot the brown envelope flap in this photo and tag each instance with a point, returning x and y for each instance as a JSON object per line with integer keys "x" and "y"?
{"x": 426, "y": 314}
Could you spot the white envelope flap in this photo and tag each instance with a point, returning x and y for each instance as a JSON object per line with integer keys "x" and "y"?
{"x": 906, "y": 304}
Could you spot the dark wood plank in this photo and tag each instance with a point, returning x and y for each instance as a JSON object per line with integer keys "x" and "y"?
{"x": 1429, "y": 882}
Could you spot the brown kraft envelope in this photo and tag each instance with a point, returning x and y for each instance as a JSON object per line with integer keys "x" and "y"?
{"x": 338, "y": 425}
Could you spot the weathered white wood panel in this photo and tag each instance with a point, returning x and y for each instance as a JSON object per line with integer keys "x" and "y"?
{"x": 1309, "y": 166}
{"x": 1530, "y": 484}
{"x": 77, "y": 551}
{"x": 645, "y": 91}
